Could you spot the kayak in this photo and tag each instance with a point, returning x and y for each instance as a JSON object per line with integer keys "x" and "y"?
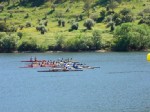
{"x": 29, "y": 67}
{"x": 59, "y": 70}
{"x": 31, "y": 61}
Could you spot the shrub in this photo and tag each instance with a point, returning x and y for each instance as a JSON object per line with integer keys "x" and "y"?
{"x": 145, "y": 20}
{"x": 20, "y": 34}
{"x": 1, "y": 7}
{"x": 63, "y": 23}
{"x": 125, "y": 11}
{"x": 118, "y": 21}
{"x": 79, "y": 43}
{"x": 132, "y": 37}
{"x": 28, "y": 45}
{"x": 94, "y": 17}
{"x": 74, "y": 26}
{"x": 115, "y": 16}
{"x": 3, "y": 27}
{"x": 112, "y": 5}
{"x": 5, "y": 19}
{"x": 146, "y": 10}
{"x": 28, "y": 24}
{"x": 59, "y": 22}
{"x": 42, "y": 47}
{"x": 111, "y": 24}
{"x": 102, "y": 15}
{"x": 108, "y": 18}
{"x": 89, "y": 23}
{"x": 41, "y": 28}
{"x": 59, "y": 42}
{"x": 11, "y": 15}
{"x": 26, "y": 16}
{"x": 8, "y": 43}
{"x": 45, "y": 22}
{"x": 81, "y": 17}
{"x": 96, "y": 38}
{"x": 21, "y": 27}
{"x": 59, "y": 15}
{"x": 127, "y": 18}
{"x": 53, "y": 7}
{"x": 12, "y": 29}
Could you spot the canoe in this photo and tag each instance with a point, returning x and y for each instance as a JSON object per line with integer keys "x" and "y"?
{"x": 59, "y": 70}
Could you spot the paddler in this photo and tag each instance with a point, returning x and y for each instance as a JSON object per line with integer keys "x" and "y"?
{"x": 35, "y": 59}
{"x": 31, "y": 59}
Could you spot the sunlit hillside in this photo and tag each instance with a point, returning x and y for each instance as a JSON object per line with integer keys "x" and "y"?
{"x": 53, "y": 25}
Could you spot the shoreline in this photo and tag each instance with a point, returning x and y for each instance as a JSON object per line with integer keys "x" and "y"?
{"x": 98, "y": 51}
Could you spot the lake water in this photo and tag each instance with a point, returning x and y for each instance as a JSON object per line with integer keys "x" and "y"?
{"x": 122, "y": 84}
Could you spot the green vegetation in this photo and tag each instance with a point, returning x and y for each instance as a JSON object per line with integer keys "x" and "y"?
{"x": 74, "y": 25}
{"x": 132, "y": 37}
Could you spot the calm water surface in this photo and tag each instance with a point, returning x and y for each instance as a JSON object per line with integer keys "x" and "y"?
{"x": 122, "y": 84}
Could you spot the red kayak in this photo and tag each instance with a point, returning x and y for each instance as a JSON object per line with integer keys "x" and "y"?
{"x": 32, "y": 61}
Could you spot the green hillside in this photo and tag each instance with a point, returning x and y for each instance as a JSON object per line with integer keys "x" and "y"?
{"x": 121, "y": 25}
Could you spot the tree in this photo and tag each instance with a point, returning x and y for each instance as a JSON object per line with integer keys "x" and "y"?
{"x": 96, "y": 38}
{"x": 129, "y": 36}
{"x": 125, "y": 11}
{"x": 111, "y": 24}
{"x": 112, "y": 4}
{"x": 74, "y": 26}
{"x": 8, "y": 43}
{"x": 89, "y": 23}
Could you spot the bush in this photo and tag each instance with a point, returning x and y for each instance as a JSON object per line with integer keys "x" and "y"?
{"x": 74, "y": 26}
{"x": 132, "y": 37}
{"x": 12, "y": 29}
{"x": 102, "y": 15}
{"x": 111, "y": 24}
{"x": 59, "y": 22}
{"x": 81, "y": 17}
{"x": 26, "y": 16}
{"x": 20, "y": 34}
{"x": 28, "y": 24}
{"x": 21, "y": 27}
{"x": 1, "y": 7}
{"x": 127, "y": 18}
{"x": 42, "y": 47}
{"x": 89, "y": 23}
{"x": 28, "y": 45}
{"x": 79, "y": 43}
{"x": 8, "y": 43}
{"x": 53, "y": 6}
{"x": 94, "y": 17}
{"x": 147, "y": 10}
{"x": 41, "y": 28}
{"x": 96, "y": 38}
{"x": 59, "y": 42}
{"x": 125, "y": 11}
{"x": 63, "y": 23}
{"x": 3, "y": 27}
{"x": 145, "y": 20}
{"x": 118, "y": 21}
{"x": 45, "y": 22}
{"x": 11, "y": 15}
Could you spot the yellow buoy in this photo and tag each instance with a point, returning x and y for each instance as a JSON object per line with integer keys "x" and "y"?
{"x": 148, "y": 57}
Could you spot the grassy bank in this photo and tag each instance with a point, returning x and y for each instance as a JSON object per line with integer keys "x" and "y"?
{"x": 42, "y": 28}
